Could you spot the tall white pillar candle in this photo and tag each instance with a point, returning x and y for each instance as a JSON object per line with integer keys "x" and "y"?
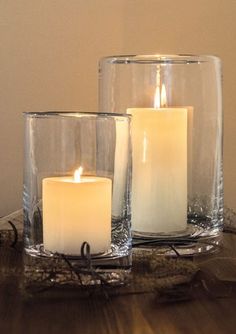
{"x": 159, "y": 178}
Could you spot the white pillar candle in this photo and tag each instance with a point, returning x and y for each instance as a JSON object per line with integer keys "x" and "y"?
{"x": 76, "y": 211}
{"x": 159, "y": 178}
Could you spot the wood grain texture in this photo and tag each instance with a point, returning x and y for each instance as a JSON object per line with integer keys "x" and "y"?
{"x": 124, "y": 314}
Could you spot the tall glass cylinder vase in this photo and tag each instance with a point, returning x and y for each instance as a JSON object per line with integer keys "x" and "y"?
{"x": 176, "y": 107}
{"x": 77, "y": 198}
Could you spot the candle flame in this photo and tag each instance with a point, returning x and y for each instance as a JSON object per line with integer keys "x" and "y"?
{"x": 160, "y": 99}
{"x": 163, "y": 96}
{"x": 157, "y": 98}
{"x": 77, "y": 174}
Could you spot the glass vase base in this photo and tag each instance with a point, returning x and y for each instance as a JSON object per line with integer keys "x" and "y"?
{"x": 59, "y": 271}
{"x": 193, "y": 241}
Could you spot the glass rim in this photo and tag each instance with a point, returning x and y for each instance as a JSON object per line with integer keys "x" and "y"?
{"x": 73, "y": 114}
{"x": 175, "y": 59}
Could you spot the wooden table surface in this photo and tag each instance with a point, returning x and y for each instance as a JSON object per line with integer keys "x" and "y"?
{"x": 206, "y": 312}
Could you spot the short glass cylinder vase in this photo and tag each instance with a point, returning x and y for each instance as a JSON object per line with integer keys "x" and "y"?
{"x": 76, "y": 198}
{"x": 176, "y": 107}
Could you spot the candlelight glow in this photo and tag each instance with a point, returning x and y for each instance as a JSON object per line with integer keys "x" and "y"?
{"x": 77, "y": 174}
{"x": 160, "y": 99}
{"x": 157, "y": 98}
{"x": 163, "y": 96}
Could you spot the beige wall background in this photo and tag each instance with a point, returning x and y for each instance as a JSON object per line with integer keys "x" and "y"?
{"x": 50, "y": 50}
